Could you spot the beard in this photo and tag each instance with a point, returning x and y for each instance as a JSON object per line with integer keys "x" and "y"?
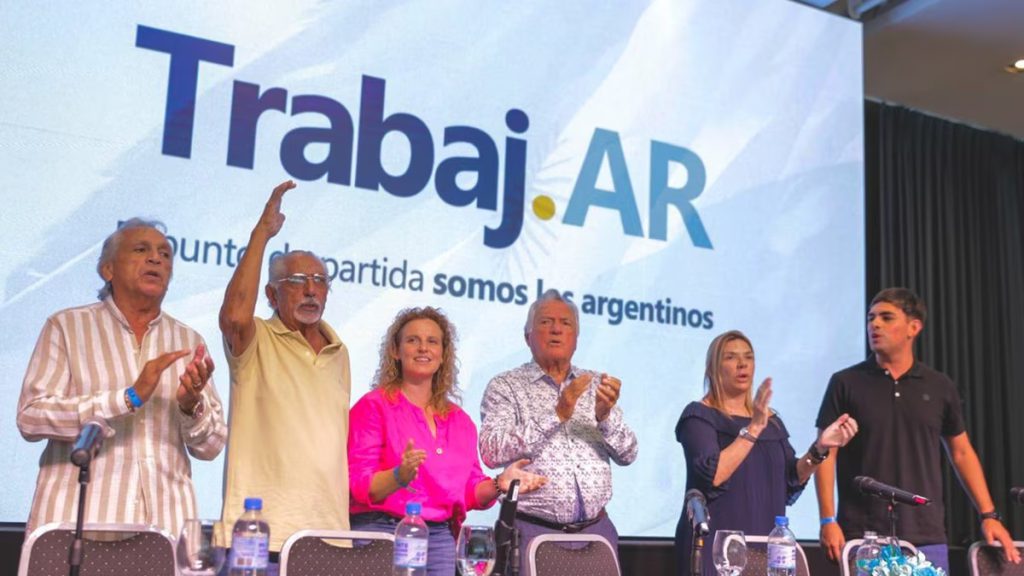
{"x": 308, "y": 316}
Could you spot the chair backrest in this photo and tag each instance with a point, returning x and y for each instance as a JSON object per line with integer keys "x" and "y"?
{"x": 319, "y": 552}
{"x": 572, "y": 555}
{"x": 985, "y": 560}
{"x": 757, "y": 558}
{"x": 848, "y": 566}
{"x": 108, "y": 550}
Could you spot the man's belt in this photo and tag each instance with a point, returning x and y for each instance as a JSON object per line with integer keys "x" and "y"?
{"x": 571, "y": 528}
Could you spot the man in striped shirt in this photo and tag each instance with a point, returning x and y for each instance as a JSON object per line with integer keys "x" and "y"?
{"x": 146, "y": 374}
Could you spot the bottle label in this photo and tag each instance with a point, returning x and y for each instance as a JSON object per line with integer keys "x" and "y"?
{"x": 249, "y": 552}
{"x": 410, "y": 553}
{"x": 780, "y": 556}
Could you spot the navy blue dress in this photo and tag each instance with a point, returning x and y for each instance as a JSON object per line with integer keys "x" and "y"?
{"x": 758, "y": 491}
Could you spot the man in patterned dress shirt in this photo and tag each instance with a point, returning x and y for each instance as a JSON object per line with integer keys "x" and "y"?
{"x": 562, "y": 418}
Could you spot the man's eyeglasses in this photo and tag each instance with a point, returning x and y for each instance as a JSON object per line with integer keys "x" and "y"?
{"x": 301, "y": 279}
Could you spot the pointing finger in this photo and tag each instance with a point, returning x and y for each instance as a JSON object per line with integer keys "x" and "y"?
{"x": 280, "y": 189}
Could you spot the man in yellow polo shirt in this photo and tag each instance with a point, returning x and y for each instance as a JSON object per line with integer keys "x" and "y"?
{"x": 290, "y": 389}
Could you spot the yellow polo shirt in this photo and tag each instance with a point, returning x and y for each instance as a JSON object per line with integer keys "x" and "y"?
{"x": 288, "y": 426}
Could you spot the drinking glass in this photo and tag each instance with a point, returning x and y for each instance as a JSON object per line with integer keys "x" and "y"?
{"x": 475, "y": 551}
{"x": 730, "y": 552}
{"x": 196, "y": 555}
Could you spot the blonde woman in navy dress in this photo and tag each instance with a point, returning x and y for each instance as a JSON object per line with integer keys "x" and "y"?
{"x": 737, "y": 449}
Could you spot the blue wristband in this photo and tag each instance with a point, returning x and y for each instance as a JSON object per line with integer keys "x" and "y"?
{"x": 398, "y": 479}
{"x": 828, "y": 520}
{"x": 134, "y": 397}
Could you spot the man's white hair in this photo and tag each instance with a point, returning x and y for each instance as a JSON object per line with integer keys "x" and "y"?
{"x": 111, "y": 244}
{"x": 550, "y": 295}
{"x": 278, "y": 268}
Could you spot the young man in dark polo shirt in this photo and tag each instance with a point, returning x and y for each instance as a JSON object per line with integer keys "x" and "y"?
{"x": 906, "y": 411}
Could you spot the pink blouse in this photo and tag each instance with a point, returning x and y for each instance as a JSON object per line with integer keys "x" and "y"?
{"x": 446, "y": 482}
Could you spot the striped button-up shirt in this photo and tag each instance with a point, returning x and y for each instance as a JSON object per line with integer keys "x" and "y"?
{"x": 519, "y": 421}
{"x": 84, "y": 361}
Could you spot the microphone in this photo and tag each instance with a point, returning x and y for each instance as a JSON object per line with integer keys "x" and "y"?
{"x": 507, "y": 515}
{"x": 872, "y": 487}
{"x": 697, "y": 512}
{"x": 88, "y": 442}
{"x": 507, "y": 559}
{"x": 1017, "y": 495}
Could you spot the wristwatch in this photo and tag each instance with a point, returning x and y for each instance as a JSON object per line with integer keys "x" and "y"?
{"x": 816, "y": 457}
{"x": 197, "y": 411}
{"x": 746, "y": 435}
{"x": 993, "y": 515}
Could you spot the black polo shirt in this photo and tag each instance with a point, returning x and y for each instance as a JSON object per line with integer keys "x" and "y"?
{"x": 902, "y": 423}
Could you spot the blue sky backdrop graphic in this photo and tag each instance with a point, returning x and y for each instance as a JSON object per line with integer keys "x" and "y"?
{"x": 768, "y": 95}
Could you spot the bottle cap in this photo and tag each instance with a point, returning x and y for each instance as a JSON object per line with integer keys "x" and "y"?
{"x": 781, "y": 521}
{"x": 413, "y": 508}
{"x": 254, "y": 503}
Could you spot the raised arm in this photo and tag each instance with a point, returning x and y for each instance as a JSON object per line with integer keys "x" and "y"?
{"x": 735, "y": 453}
{"x": 236, "y": 314}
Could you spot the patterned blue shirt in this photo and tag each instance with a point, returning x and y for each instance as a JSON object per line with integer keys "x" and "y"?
{"x": 519, "y": 421}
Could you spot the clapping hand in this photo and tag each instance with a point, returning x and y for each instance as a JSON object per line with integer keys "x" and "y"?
{"x": 194, "y": 379}
{"x": 761, "y": 413}
{"x": 412, "y": 457}
{"x": 607, "y": 395}
{"x": 570, "y": 395}
{"x": 150, "y": 375}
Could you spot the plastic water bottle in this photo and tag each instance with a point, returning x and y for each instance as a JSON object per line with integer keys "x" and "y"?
{"x": 781, "y": 549}
{"x": 868, "y": 552}
{"x": 411, "y": 539}
{"x": 250, "y": 541}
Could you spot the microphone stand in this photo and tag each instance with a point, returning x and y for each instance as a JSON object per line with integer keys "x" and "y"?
{"x": 893, "y": 517}
{"x": 506, "y": 535}
{"x": 699, "y": 527}
{"x": 508, "y": 552}
{"x": 695, "y": 552}
{"x": 513, "y": 564}
{"x": 75, "y": 559}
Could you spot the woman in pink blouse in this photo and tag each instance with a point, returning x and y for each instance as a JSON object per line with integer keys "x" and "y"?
{"x": 410, "y": 441}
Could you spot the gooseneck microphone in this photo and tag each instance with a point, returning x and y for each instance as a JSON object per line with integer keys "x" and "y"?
{"x": 1017, "y": 495}
{"x": 506, "y": 535}
{"x": 872, "y": 487}
{"x": 86, "y": 445}
{"x": 697, "y": 512}
{"x": 88, "y": 442}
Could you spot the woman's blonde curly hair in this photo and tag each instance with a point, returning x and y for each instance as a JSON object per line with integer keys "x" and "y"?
{"x": 444, "y": 386}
